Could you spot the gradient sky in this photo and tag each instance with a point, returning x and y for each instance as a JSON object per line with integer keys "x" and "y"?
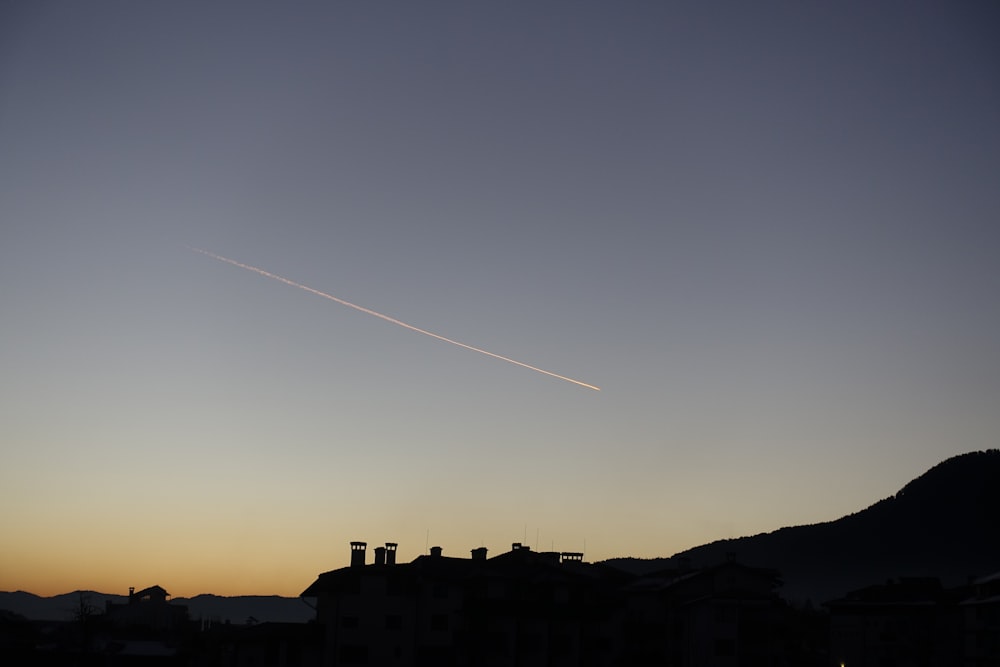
{"x": 768, "y": 231}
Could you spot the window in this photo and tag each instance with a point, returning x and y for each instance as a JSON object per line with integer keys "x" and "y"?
{"x": 497, "y": 643}
{"x": 561, "y": 644}
{"x": 725, "y": 647}
{"x": 531, "y": 643}
{"x": 354, "y": 654}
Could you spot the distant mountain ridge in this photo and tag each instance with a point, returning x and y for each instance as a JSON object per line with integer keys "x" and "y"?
{"x": 215, "y": 608}
{"x": 239, "y": 609}
{"x": 942, "y": 524}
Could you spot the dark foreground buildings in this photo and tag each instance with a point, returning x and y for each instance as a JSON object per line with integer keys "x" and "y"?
{"x": 916, "y": 621}
{"x": 529, "y": 608}
{"x": 549, "y": 609}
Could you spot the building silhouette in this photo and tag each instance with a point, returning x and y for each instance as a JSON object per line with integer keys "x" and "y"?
{"x": 542, "y": 608}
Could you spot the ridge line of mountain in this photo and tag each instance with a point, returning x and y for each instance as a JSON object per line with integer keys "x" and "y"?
{"x": 939, "y": 524}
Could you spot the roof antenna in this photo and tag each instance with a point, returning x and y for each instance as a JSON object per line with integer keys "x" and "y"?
{"x": 427, "y": 542}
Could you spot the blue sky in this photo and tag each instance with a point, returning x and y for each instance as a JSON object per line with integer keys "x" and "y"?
{"x": 768, "y": 232}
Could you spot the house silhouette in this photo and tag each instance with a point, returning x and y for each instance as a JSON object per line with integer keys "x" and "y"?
{"x": 524, "y": 607}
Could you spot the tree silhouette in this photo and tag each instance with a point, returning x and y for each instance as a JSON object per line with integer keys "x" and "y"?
{"x": 85, "y": 616}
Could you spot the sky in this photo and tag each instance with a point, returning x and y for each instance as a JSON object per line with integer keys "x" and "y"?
{"x": 768, "y": 232}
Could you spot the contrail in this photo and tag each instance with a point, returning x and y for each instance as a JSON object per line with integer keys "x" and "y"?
{"x": 268, "y": 274}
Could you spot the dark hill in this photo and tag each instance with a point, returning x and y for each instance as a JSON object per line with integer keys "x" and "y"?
{"x": 63, "y": 607}
{"x": 941, "y": 524}
{"x": 239, "y": 609}
{"x": 204, "y": 607}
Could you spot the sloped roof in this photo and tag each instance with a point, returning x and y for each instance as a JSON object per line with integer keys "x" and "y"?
{"x": 521, "y": 564}
{"x": 152, "y": 591}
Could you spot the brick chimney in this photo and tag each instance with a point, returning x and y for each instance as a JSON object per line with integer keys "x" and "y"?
{"x": 380, "y": 555}
{"x": 390, "y": 553}
{"x": 358, "y": 554}
{"x": 436, "y": 552}
{"x": 479, "y": 554}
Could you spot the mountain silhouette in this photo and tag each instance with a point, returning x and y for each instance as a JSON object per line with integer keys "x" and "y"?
{"x": 206, "y": 607}
{"x": 941, "y": 524}
{"x": 240, "y": 608}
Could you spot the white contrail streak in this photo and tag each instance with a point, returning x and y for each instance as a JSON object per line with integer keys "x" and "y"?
{"x": 268, "y": 274}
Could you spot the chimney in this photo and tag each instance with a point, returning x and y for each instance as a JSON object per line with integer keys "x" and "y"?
{"x": 571, "y": 557}
{"x": 380, "y": 555}
{"x": 436, "y": 552}
{"x": 479, "y": 554}
{"x": 390, "y": 553}
{"x": 358, "y": 554}
{"x": 131, "y": 592}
